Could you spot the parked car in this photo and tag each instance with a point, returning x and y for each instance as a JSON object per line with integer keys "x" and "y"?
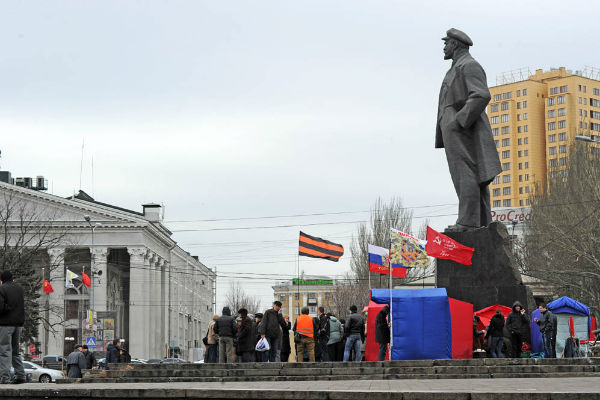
{"x": 153, "y": 361}
{"x": 43, "y": 375}
{"x": 138, "y": 361}
{"x": 54, "y": 362}
{"x": 173, "y": 361}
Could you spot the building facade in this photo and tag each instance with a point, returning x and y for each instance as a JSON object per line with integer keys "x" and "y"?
{"x": 144, "y": 289}
{"x": 534, "y": 122}
{"x": 310, "y": 291}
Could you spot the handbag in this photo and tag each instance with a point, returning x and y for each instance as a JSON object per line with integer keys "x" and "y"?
{"x": 205, "y": 338}
{"x": 263, "y": 345}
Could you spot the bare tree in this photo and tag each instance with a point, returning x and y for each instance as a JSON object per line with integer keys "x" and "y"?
{"x": 561, "y": 246}
{"x": 384, "y": 217}
{"x": 349, "y": 291}
{"x": 236, "y": 298}
{"x": 27, "y": 232}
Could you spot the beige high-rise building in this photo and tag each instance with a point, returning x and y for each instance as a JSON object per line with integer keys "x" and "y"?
{"x": 534, "y": 121}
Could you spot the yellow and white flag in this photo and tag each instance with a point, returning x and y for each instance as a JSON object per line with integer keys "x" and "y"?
{"x": 69, "y": 280}
{"x": 407, "y": 251}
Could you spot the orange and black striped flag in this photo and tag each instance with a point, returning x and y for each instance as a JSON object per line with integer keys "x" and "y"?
{"x": 311, "y": 246}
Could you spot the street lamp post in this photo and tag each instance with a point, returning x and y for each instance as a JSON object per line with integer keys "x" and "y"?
{"x": 92, "y": 259}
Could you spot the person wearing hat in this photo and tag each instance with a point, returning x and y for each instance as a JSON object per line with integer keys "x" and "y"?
{"x": 464, "y": 131}
{"x": 245, "y": 337}
{"x": 76, "y": 362}
{"x": 226, "y": 328}
{"x": 270, "y": 328}
{"x": 12, "y": 318}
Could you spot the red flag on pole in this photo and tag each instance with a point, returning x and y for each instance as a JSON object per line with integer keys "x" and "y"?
{"x": 441, "y": 246}
{"x": 47, "y": 287}
{"x": 85, "y": 279}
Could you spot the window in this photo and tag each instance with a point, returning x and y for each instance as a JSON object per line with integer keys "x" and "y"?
{"x": 551, "y": 126}
{"x": 506, "y": 142}
{"x": 497, "y": 142}
{"x": 497, "y": 97}
{"x": 524, "y": 92}
{"x": 579, "y": 100}
{"x": 525, "y": 116}
{"x": 519, "y": 93}
{"x": 327, "y": 295}
{"x": 494, "y": 120}
{"x": 494, "y": 108}
{"x": 526, "y": 165}
{"x": 550, "y": 101}
{"x": 296, "y": 296}
{"x": 504, "y": 118}
{"x": 312, "y": 310}
{"x": 584, "y": 101}
{"x": 526, "y": 140}
{"x": 497, "y": 179}
{"x": 562, "y": 112}
{"x": 506, "y": 166}
{"x": 560, "y": 100}
{"x": 554, "y": 90}
{"x": 495, "y": 131}
{"x": 595, "y": 127}
{"x": 519, "y": 141}
{"x": 527, "y": 202}
{"x": 519, "y": 129}
{"x": 506, "y": 178}
{"x": 497, "y": 203}
{"x": 553, "y": 162}
{"x": 520, "y": 189}
{"x": 595, "y": 114}
{"x": 596, "y": 92}
{"x": 496, "y": 192}
{"x": 527, "y": 188}
{"x": 565, "y": 89}
{"x": 504, "y": 106}
{"x": 519, "y": 153}
{"x": 526, "y": 177}
{"x": 562, "y": 124}
{"x": 506, "y": 154}
{"x": 519, "y": 105}
{"x": 521, "y": 203}
{"x": 282, "y": 297}
{"x": 563, "y": 161}
{"x": 594, "y": 103}
{"x": 505, "y": 130}
{"x": 520, "y": 165}
{"x": 525, "y": 128}
{"x": 525, "y": 104}
{"x": 551, "y": 113}
{"x": 552, "y": 138}
{"x": 562, "y": 148}
{"x": 520, "y": 178}
{"x": 562, "y": 136}
{"x": 506, "y": 203}
{"x": 518, "y": 117}
{"x": 526, "y": 153}
{"x": 552, "y": 151}
{"x": 507, "y": 95}
{"x": 506, "y": 191}
{"x": 579, "y": 87}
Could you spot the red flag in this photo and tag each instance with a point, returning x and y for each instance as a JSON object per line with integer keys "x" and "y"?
{"x": 47, "y": 287}
{"x": 441, "y": 246}
{"x": 86, "y": 279}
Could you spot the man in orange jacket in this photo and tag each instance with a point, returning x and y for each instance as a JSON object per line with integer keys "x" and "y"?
{"x": 304, "y": 329}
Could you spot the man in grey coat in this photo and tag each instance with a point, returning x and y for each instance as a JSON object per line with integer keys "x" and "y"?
{"x": 463, "y": 130}
{"x": 76, "y": 363}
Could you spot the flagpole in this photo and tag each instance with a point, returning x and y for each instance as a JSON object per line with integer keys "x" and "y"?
{"x": 391, "y": 303}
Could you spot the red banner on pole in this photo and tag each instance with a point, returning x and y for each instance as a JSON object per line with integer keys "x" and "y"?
{"x": 441, "y": 246}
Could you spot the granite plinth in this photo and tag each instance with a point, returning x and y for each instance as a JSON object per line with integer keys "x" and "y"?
{"x": 493, "y": 278}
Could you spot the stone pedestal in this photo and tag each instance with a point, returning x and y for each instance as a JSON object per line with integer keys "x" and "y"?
{"x": 492, "y": 279}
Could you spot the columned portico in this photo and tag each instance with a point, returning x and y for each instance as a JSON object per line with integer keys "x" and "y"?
{"x": 137, "y": 315}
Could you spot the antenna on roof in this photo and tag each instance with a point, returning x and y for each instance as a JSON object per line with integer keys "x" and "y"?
{"x": 81, "y": 164}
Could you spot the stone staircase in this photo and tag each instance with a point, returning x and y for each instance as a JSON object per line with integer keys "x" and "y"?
{"x": 420, "y": 369}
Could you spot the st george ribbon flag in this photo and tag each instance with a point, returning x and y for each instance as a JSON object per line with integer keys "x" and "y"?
{"x": 379, "y": 261}
{"x": 311, "y": 246}
{"x": 407, "y": 250}
{"x": 441, "y": 246}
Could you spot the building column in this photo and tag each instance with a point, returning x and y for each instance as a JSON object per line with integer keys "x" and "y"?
{"x": 162, "y": 308}
{"x": 56, "y": 302}
{"x": 100, "y": 278}
{"x": 155, "y": 308}
{"x": 137, "y": 325}
{"x": 167, "y": 310}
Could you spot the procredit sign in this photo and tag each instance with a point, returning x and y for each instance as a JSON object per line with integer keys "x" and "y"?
{"x": 508, "y": 215}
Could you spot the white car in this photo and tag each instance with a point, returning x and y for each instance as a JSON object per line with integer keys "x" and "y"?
{"x": 43, "y": 375}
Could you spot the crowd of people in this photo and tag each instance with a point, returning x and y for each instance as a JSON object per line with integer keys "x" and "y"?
{"x": 322, "y": 338}
{"x": 512, "y": 336}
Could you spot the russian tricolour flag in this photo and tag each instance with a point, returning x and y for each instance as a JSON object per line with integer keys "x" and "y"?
{"x": 379, "y": 261}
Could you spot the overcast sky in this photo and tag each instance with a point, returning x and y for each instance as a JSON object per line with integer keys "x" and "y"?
{"x": 236, "y": 109}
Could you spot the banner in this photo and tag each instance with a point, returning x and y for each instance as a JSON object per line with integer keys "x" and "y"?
{"x": 407, "y": 250}
{"x": 442, "y": 246}
{"x": 379, "y": 262}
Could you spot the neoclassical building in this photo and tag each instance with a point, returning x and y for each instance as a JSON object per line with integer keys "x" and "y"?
{"x": 144, "y": 289}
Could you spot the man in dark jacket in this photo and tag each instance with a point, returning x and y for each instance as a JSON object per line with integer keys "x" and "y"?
{"x": 76, "y": 363}
{"x": 269, "y": 328}
{"x": 113, "y": 352}
{"x": 286, "y": 348}
{"x": 354, "y": 328}
{"x": 496, "y": 333}
{"x": 463, "y": 129}
{"x": 258, "y": 355}
{"x": 226, "y": 328}
{"x": 12, "y": 317}
{"x": 382, "y": 331}
{"x": 517, "y": 324}
{"x": 546, "y": 324}
{"x": 245, "y": 337}
{"x": 323, "y": 334}
{"x": 90, "y": 360}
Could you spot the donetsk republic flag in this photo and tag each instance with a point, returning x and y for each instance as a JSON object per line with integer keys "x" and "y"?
{"x": 311, "y": 246}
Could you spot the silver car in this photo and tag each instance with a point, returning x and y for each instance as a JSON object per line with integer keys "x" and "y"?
{"x": 43, "y": 375}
